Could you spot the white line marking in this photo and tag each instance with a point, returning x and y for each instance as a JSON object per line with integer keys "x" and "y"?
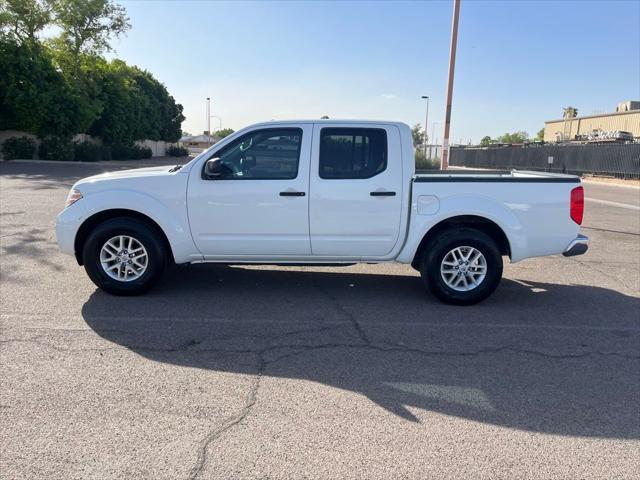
{"x": 613, "y": 204}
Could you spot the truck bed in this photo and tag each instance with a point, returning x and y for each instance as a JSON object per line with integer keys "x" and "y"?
{"x": 531, "y": 208}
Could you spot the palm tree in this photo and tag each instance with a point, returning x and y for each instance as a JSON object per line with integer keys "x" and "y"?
{"x": 568, "y": 113}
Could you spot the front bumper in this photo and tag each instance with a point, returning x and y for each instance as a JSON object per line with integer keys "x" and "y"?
{"x": 578, "y": 246}
{"x": 68, "y": 222}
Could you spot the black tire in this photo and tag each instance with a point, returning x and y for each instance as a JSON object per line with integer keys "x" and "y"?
{"x": 145, "y": 234}
{"x": 445, "y": 242}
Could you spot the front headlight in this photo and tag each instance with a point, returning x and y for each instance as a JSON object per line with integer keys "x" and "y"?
{"x": 73, "y": 197}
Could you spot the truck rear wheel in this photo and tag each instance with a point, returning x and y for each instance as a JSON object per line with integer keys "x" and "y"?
{"x": 124, "y": 256}
{"x": 462, "y": 266}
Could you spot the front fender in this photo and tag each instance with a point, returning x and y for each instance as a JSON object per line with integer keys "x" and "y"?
{"x": 459, "y": 205}
{"x": 170, "y": 215}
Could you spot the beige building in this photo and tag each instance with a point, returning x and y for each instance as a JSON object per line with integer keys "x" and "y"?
{"x": 625, "y": 119}
{"x": 197, "y": 143}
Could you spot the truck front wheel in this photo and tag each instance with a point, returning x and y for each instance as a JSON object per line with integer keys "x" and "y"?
{"x": 124, "y": 256}
{"x": 461, "y": 266}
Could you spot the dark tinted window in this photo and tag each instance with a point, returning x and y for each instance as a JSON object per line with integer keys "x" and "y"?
{"x": 269, "y": 154}
{"x": 352, "y": 152}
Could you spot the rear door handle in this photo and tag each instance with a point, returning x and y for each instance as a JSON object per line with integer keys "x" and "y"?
{"x": 292, "y": 194}
{"x": 383, "y": 194}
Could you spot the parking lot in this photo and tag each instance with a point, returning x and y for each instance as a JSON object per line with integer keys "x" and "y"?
{"x": 324, "y": 373}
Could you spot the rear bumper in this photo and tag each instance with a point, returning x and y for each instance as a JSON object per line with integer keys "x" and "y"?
{"x": 578, "y": 246}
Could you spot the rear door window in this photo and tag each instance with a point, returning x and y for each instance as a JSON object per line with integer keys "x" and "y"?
{"x": 352, "y": 153}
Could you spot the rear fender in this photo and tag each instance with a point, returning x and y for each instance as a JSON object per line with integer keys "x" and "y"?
{"x": 459, "y": 205}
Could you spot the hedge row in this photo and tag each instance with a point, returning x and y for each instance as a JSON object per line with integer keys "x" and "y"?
{"x": 18, "y": 147}
{"x": 57, "y": 148}
{"x": 175, "y": 151}
{"x": 424, "y": 163}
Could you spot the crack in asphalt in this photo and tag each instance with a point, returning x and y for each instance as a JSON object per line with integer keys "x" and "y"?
{"x": 298, "y": 349}
{"x": 389, "y": 348}
{"x": 231, "y": 422}
{"x": 368, "y": 345}
{"x": 195, "y": 347}
{"x": 301, "y": 348}
{"x": 590, "y": 266}
{"x": 294, "y": 350}
{"x": 354, "y": 321}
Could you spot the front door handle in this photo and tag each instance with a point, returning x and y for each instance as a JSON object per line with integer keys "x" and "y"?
{"x": 383, "y": 194}
{"x": 292, "y": 194}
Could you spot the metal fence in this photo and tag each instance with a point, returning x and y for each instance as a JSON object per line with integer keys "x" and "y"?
{"x": 622, "y": 161}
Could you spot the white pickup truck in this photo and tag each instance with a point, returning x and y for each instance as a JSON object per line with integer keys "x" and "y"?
{"x": 319, "y": 192}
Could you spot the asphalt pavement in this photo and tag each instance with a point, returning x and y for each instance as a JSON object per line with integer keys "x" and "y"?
{"x": 317, "y": 373}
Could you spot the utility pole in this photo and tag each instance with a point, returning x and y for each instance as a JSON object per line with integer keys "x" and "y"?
{"x": 452, "y": 65}
{"x": 426, "y": 122}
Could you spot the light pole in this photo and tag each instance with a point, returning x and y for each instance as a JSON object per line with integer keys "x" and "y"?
{"x": 452, "y": 65}
{"x": 208, "y": 120}
{"x": 426, "y": 122}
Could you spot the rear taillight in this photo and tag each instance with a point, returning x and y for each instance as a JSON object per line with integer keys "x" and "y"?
{"x": 577, "y": 205}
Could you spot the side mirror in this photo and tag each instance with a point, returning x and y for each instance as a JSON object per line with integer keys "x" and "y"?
{"x": 213, "y": 169}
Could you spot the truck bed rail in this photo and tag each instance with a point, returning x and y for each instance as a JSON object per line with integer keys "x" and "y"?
{"x": 519, "y": 176}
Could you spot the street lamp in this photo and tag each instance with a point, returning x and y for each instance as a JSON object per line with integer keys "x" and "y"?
{"x": 426, "y": 122}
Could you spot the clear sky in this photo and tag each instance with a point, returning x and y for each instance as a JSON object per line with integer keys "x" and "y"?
{"x": 519, "y": 62}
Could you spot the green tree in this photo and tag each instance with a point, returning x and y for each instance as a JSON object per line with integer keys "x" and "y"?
{"x": 135, "y": 106}
{"x": 486, "y": 141}
{"x": 515, "y": 137}
{"x": 418, "y": 136}
{"x": 22, "y": 20}
{"x": 569, "y": 112}
{"x": 34, "y": 96}
{"x": 82, "y": 75}
{"x": 88, "y": 25}
{"x": 64, "y": 86}
{"x": 540, "y": 134}
{"x": 117, "y": 122}
{"x": 225, "y": 132}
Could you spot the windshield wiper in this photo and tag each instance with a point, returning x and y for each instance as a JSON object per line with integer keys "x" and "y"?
{"x": 175, "y": 169}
